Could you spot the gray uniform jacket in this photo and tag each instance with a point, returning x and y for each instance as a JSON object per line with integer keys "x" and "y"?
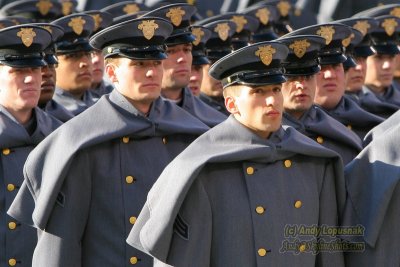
{"x": 220, "y": 106}
{"x": 17, "y": 241}
{"x": 327, "y": 131}
{"x": 226, "y": 200}
{"x": 103, "y": 89}
{"x": 56, "y": 110}
{"x": 379, "y": 130}
{"x": 86, "y": 198}
{"x": 73, "y": 105}
{"x": 354, "y": 117}
{"x": 373, "y": 186}
{"x": 200, "y": 110}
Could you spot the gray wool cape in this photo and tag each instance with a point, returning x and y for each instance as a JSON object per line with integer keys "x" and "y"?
{"x": 56, "y": 110}
{"x": 372, "y": 182}
{"x": 17, "y": 243}
{"x": 354, "y": 117}
{"x": 202, "y": 209}
{"x": 73, "y": 105}
{"x": 319, "y": 126}
{"x": 87, "y": 181}
{"x": 379, "y": 130}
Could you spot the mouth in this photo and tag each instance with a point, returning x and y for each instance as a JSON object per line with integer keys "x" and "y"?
{"x": 273, "y": 113}
{"x": 86, "y": 75}
{"x": 330, "y": 87}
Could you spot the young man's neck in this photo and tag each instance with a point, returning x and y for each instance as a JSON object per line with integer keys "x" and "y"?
{"x": 297, "y": 114}
{"x": 22, "y": 116}
{"x": 172, "y": 93}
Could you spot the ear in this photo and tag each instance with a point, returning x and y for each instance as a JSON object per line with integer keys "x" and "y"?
{"x": 111, "y": 72}
{"x": 230, "y": 104}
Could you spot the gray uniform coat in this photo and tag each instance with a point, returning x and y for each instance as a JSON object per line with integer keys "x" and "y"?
{"x": 17, "y": 241}
{"x": 200, "y": 110}
{"x": 73, "y": 105}
{"x": 218, "y": 105}
{"x": 228, "y": 197}
{"x": 87, "y": 202}
{"x": 103, "y": 89}
{"x": 379, "y": 130}
{"x": 327, "y": 131}
{"x": 354, "y": 117}
{"x": 373, "y": 201}
{"x": 56, "y": 110}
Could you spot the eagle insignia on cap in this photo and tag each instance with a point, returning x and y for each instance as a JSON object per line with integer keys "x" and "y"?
{"x": 223, "y": 31}
{"x": 390, "y": 26}
{"x": 131, "y": 9}
{"x": 175, "y": 15}
{"x": 26, "y": 35}
{"x": 265, "y": 53}
{"x": 263, "y": 15}
{"x": 240, "y": 21}
{"x": 326, "y": 32}
{"x": 77, "y": 25}
{"x": 148, "y": 28}
{"x": 97, "y": 21}
{"x": 395, "y": 12}
{"x": 44, "y": 6}
{"x": 66, "y": 8}
{"x": 198, "y": 33}
{"x": 300, "y": 47}
{"x": 347, "y": 41}
{"x": 47, "y": 28}
{"x": 283, "y": 8}
{"x": 362, "y": 26}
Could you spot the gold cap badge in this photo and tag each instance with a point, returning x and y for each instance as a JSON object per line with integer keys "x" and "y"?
{"x": 390, "y": 26}
{"x": 362, "y": 26}
{"x": 44, "y": 6}
{"x": 47, "y": 28}
{"x": 77, "y": 25}
{"x": 27, "y": 35}
{"x": 223, "y": 31}
{"x": 97, "y": 21}
{"x": 300, "y": 47}
{"x": 326, "y": 32}
{"x": 191, "y": 2}
{"x": 148, "y": 28}
{"x": 240, "y": 21}
{"x": 131, "y": 9}
{"x": 66, "y": 8}
{"x": 283, "y": 8}
{"x": 395, "y": 12}
{"x": 263, "y": 15}
{"x": 265, "y": 53}
{"x": 347, "y": 41}
{"x": 175, "y": 15}
{"x": 198, "y": 33}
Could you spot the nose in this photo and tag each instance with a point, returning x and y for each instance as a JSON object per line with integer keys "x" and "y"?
{"x": 358, "y": 67}
{"x": 270, "y": 100}
{"x": 329, "y": 73}
{"x": 386, "y": 64}
{"x": 150, "y": 72}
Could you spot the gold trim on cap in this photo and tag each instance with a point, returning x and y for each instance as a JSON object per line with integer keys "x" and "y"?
{"x": 265, "y": 53}
{"x": 299, "y": 47}
{"x": 77, "y": 25}
{"x": 198, "y": 33}
{"x": 263, "y": 15}
{"x": 148, "y": 27}
{"x": 362, "y": 26}
{"x": 44, "y": 6}
{"x": 223, "y": 31}
{"x": 27, "y": 35}
{"x": 390, "y": 26}
{"x": 240, "y": 21}
{"x": 326, "y": 32}
{"x": 175, "y": 15}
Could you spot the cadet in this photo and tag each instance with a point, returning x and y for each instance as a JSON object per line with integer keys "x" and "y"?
{"x": 74, "y": 71}
{"x": 22, "y": 127}
{"x": 177, "y": 67}
{"x": 299, "y": 91}
{"x": 86, "y": 204}
{"x": 226, "y": 199}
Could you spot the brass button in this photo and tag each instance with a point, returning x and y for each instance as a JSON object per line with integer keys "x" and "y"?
{"x": 133, "y": 260}
{"x": 125, "y": 139}
{"x": 298, "y": 204}
{"x": 164, "y": 140}
{"x": 349, "y": 126}
{"x": 12, "y": 262}
{"x": 250, "y": 170}
{"x": 209, "y": 13}
{"x": 132, "y": 220}
{"x": 260, "y": 210}
{"x": 262, "y": 252}
{"x": 302, "y": 247}
{"x": 6, "y": 151}
{"x": 320, "y": 140}
{"x": 129, "y": 179}
{"x": 287, "y": 163}
{"x": 12, "y": 225}
{"x": 10, "y": 187}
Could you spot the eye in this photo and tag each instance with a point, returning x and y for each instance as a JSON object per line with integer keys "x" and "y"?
{"x": 276, "y": 89}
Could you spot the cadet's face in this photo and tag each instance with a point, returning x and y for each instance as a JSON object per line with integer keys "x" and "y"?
{"x": 196, "y": 77}
{"x": 380, "y": 71}
{"x": 138, "y": 80}
{"x": 74, "y": 72}
{"x": 177, "y": 67}
{"x": 355, "y": 77}
{"x": 210, "y": 86}
{"x": 330, "y": 86}
{"x": 98, "y": 66}
{"x": 20, "y": 88}
{"x": 258, "y": 108}
{"x": 298, "y": 94}
{"x": 48, "y": 83}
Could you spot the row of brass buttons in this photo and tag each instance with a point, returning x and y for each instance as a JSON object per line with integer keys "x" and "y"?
{"x": 126, "y": 140}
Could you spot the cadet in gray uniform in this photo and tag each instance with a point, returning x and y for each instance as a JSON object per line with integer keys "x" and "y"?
{"x": 22, "y": 127}
{"x": 177, "y": 67}
{"x": 299, "y": 91}
{"x": 74, "y": 71}
{"x": 86, "y": 204}
{"x": 228, "y": 198}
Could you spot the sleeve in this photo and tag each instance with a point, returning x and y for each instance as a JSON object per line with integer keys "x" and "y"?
{"x": 192, "y": 236}
{"x": 60, "y": 243}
